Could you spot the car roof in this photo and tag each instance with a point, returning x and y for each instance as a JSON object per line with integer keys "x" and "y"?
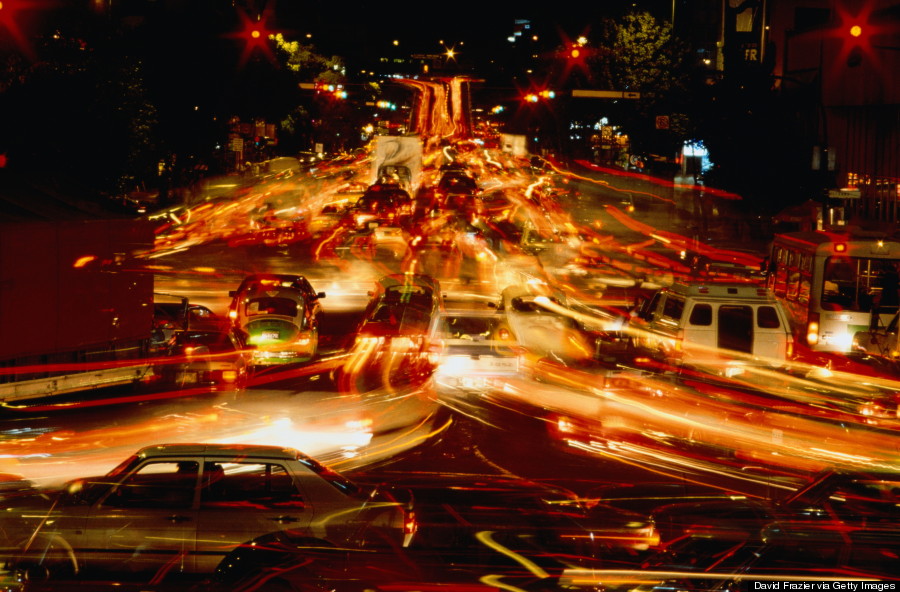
{"x": 730, "y": 291}
{"x": 229, "y": 450}
{"x": 286, "y": 281}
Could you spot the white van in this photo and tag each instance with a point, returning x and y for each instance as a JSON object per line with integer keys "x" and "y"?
{"x": 711, "y": 322}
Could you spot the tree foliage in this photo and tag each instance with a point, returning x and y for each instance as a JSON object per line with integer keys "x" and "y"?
{"x": 640, "y": 54}
{"x": 80, "y": 112}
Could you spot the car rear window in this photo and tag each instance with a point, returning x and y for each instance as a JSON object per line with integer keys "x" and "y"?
{"x": 767, "y": 318}
{"x": 474, "y": 328}
{"x": 272, "y": 306}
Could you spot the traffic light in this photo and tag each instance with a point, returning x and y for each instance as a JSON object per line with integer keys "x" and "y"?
{"x": 255, "y": 36}
{"x": 855, "y": 55}
{"x": 541, "y": 95}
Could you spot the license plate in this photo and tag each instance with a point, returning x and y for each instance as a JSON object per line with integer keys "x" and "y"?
{"x": 270, "y": 335}
{"x": 473, "y": 383}
{"x": 504, "y": 364}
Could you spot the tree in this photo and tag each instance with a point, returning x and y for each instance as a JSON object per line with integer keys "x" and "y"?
{"x": 306, "y": 65}
{"x": 641, "y": 54}
{"x": 78, "y": 115}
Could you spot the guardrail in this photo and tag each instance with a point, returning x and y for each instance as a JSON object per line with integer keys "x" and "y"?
{"x": 69, "y": 383}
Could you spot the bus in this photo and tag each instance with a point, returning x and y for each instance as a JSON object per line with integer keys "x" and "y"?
{"x": 834, "y": 283}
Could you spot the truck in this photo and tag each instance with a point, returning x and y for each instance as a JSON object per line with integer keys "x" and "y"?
{"x": 400, "y": 156}
{"x": 76, "y": 306}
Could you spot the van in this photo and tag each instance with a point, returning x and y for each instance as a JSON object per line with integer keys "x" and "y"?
{"x": 712, "y": 322}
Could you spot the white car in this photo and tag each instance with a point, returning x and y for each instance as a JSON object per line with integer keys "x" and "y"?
{"x": 472, "y": 351}
{"x": 537, "y": 317}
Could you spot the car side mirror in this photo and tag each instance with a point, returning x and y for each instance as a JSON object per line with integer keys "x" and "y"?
{"x": 492, "y": 305}
{"x": 232, "y": 293}
{"x": 320, "y": 295}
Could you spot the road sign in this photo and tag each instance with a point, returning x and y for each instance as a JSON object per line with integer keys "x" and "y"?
{"x": 606, "y": 94}
{"x": 844, "y": 193}
{"x": 662, "y": 122}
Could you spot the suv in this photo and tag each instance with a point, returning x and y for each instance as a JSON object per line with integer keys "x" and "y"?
{"x": 699, "y": 322}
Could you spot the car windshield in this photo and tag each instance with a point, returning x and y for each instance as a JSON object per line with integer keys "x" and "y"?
{"x": 336, "y": 480}
{"x": 395, "y": 313}
{"x": 273, "y": 306}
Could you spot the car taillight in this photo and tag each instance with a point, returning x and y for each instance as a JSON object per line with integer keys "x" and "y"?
{"x": 410, "y": 526}
{"x": 789, "y": 347}
{"x": 503, "y": 334}
{"x": 812, "y": 329}
{"x": 304, "y": 338}
{"x": 229, "y": 375}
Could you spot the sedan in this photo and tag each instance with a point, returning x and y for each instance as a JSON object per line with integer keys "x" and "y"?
{"x": 536, "y": 316}
{"x": 472, "y": 351}
{"x": 833, "y": 499}
{"x": 182, "y": 508}
{"x": 475, "y": 532}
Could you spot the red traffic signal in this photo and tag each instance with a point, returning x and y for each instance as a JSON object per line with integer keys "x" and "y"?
{"x": 255, "y": 35}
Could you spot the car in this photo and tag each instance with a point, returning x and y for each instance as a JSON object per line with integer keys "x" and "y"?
{"x": 172, "y": 314}
{"x": 471, "y": 351}
{"x": 277, "y": 314}
{"x": 827, "y": 555}
{"x": 390, "y": 239}
{"x": 380, "y": 204}
{"x": 210, "y": 355}
{"x": 183, "y": 508}
{"x": 483, "y": 533}
{"x": 393, "y": 332}
{"x": 458, "y": 192}
{"x": 536, "y": 315}
{"x": 834, "y": 498}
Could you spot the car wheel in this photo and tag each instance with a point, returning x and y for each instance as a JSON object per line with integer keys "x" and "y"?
{"x": 46, "y": 560}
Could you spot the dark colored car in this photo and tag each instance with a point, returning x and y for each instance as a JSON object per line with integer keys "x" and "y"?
{"x": 828, "y": 555}
{"x": 394, "y": 329}
{"x": 832, "y": 499}
{"x": 173, "y": 316}
{"x": 207, "y": 356}
{"x": 458, "y": 192}
{"x": 474, "y": 534}
{"x": 381, "y": 204}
